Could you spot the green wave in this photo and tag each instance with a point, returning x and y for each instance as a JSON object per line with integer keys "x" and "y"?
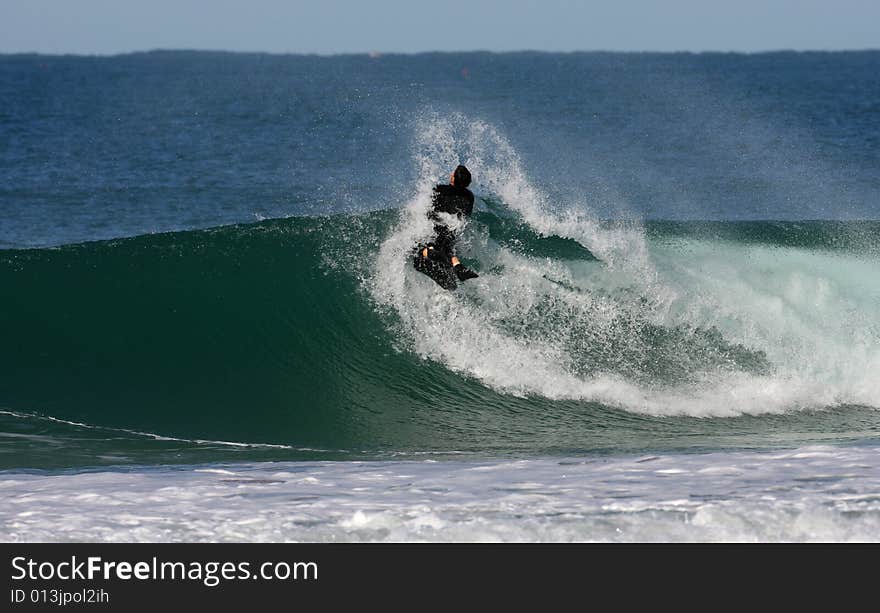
{"x": 264, "y": 334}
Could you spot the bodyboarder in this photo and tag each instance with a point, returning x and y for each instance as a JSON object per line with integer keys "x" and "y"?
{"x": 437, "y": 259}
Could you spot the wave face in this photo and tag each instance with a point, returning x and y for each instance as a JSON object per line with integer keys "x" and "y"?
{"x": 314, "y": 337}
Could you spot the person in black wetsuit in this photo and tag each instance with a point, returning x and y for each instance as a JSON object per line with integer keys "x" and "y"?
{"x": 437, "y": 259}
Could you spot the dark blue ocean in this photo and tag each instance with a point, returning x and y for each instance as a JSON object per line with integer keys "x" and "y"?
{"x": 211, "y": 330}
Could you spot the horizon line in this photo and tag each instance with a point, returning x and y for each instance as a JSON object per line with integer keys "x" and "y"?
{"x": 375, "y": 54}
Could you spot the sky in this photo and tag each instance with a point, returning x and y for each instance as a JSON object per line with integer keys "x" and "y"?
{"x": 329, "y": 27}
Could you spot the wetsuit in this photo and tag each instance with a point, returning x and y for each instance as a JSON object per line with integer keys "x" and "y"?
{"x": 455, "y": 201}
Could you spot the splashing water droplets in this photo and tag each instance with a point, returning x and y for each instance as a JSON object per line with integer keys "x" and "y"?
{"x": 648, "y": 330}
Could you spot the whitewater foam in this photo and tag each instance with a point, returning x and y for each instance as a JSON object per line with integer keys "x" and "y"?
{"x": 664, "y": 328}
{"x": 806, "y": 494}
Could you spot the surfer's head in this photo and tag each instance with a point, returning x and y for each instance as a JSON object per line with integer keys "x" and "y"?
{"x": 460, "y": 177}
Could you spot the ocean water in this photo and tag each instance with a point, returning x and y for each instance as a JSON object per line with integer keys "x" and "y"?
{"x": 210, "y": 328}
